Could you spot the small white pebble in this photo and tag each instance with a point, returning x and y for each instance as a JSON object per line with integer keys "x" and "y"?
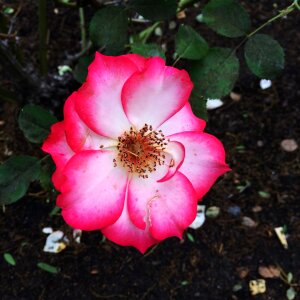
{"x": 47, "y": 230}
{"x": 172, "y": 25}
{"x": 158, "y": 31}
{"x": 260, "y": 143}
{"x": 265, "y": 84}
{"x": 214, "y": 103}
{"x": 289, "y": 145}
{"x": 77, "y": 235}
{"x": 200, "y": 217}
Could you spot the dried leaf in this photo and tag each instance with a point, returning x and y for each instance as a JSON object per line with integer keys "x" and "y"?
{"x": 269, "y": 272}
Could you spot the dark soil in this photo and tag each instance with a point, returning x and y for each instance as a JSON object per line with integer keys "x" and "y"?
{"x": 225, "y": 253}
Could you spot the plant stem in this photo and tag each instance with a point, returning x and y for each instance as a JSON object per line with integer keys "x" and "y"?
{"x": 281, "y": 14}
{"x": 82, "y": 28}
{"x": 43, "y": 37}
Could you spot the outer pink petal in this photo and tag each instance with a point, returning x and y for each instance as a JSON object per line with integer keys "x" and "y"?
{"x": 93, "y": 192}
{"x": 168, "y": 207}
{"x": 184, "y": 120}
{"x": 138, "y": 60}
{"x": 154, "y": 95}
{"x": 98, "y": 101}
{"x": 79, "y": 136}
{"x": 204, "y": 159}
{"x": 176, "y": 150}
{"x": 56, "y": 145}
{"x": 124, "y": 233}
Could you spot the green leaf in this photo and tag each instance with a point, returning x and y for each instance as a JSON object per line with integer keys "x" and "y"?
{"x": 264, "y": 194}
{"x": 264, "y": 56}
{"x": 8, "y": 10}
{"x": 189, "y": 44}
{"x": 45, "y": 177}
{"x": 291, "y": 293}
{"x": 190, "y": 237}
{"x": 47, "y": 268}
{"x": 147, "y": 50}
{"x": 15, "y": 176}
{"x": 155, "y": 10}
{"x": 81, "y": 69}
{"x": 35, "y": 122}
{"x": 289, "y": 277}
{"x": 198, "y": 104}
{"x": 55, "y": 211}
{"x": 226, "y": 17}
{"x": 143, "y": 36}
{"x": 108, "y": 28}
{"x": 9, "y": 259}
{"x": 214, "y": 76}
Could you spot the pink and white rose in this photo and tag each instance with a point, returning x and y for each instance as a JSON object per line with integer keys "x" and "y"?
{"x": 131, "y": 157}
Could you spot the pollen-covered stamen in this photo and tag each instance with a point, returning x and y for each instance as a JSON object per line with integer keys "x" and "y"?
{"x": 141, "y": 151}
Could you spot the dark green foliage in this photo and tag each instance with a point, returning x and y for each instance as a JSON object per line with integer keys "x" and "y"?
{"x": 264, "y": 56}
{"x": 226, "y": 17}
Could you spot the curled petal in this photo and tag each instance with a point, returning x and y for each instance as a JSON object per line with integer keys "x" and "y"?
{"x": 204, "y": 159}
{"x": 79, "y": 136}
{"x": 56, "y": 145}
{"x": 177, "y": 152}
{"x": 184, "y": 120}
{"x": 98, "y": 101}
{"x": 155, "y": 94}
{"x": 166, "y": 207}
{"x": 93, "y": 193}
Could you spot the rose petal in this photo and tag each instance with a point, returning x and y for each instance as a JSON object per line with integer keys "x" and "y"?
{"x": 79, "y": 136}
{"x": 93, "y": 192}
{"x": 204, "y": 159}
{"x": 176, "y": 150}
{"x": 138, "y": 60}
{"x": 56, "y": 145}
{"x": 98, "y": 101}
{"x": 169, "y": 207}
{"x": 124, "y": 233}
{"x": 184, "y": 120}
{"x": 156, "y": 94}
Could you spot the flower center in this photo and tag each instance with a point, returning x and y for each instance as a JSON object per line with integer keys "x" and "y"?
{"x": 141, "y": 151}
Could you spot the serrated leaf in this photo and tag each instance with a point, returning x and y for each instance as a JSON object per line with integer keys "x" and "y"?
{"x": 15, "y": 176}
{"x": 35, "y": 122}
{"x": 214, "y": 76}
{"x": 190, "y": 44}
{"x": 147, "y": 50}
{"x": 155, "y": 10}
{"x": 226, "y": 17}
{"x": 264, "y": 56}
{"x": 291, "y": 293}
{"x": 108, "y": 28}
{"x": 47, "y": 268}
{"x": 81, "y": 69}
{"x": 9, "y": 259}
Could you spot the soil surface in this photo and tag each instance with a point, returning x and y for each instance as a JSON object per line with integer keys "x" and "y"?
{"x": 216, "y": 261}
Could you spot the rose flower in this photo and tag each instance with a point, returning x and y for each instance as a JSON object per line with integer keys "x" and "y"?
{"x": 131, "y": 158}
